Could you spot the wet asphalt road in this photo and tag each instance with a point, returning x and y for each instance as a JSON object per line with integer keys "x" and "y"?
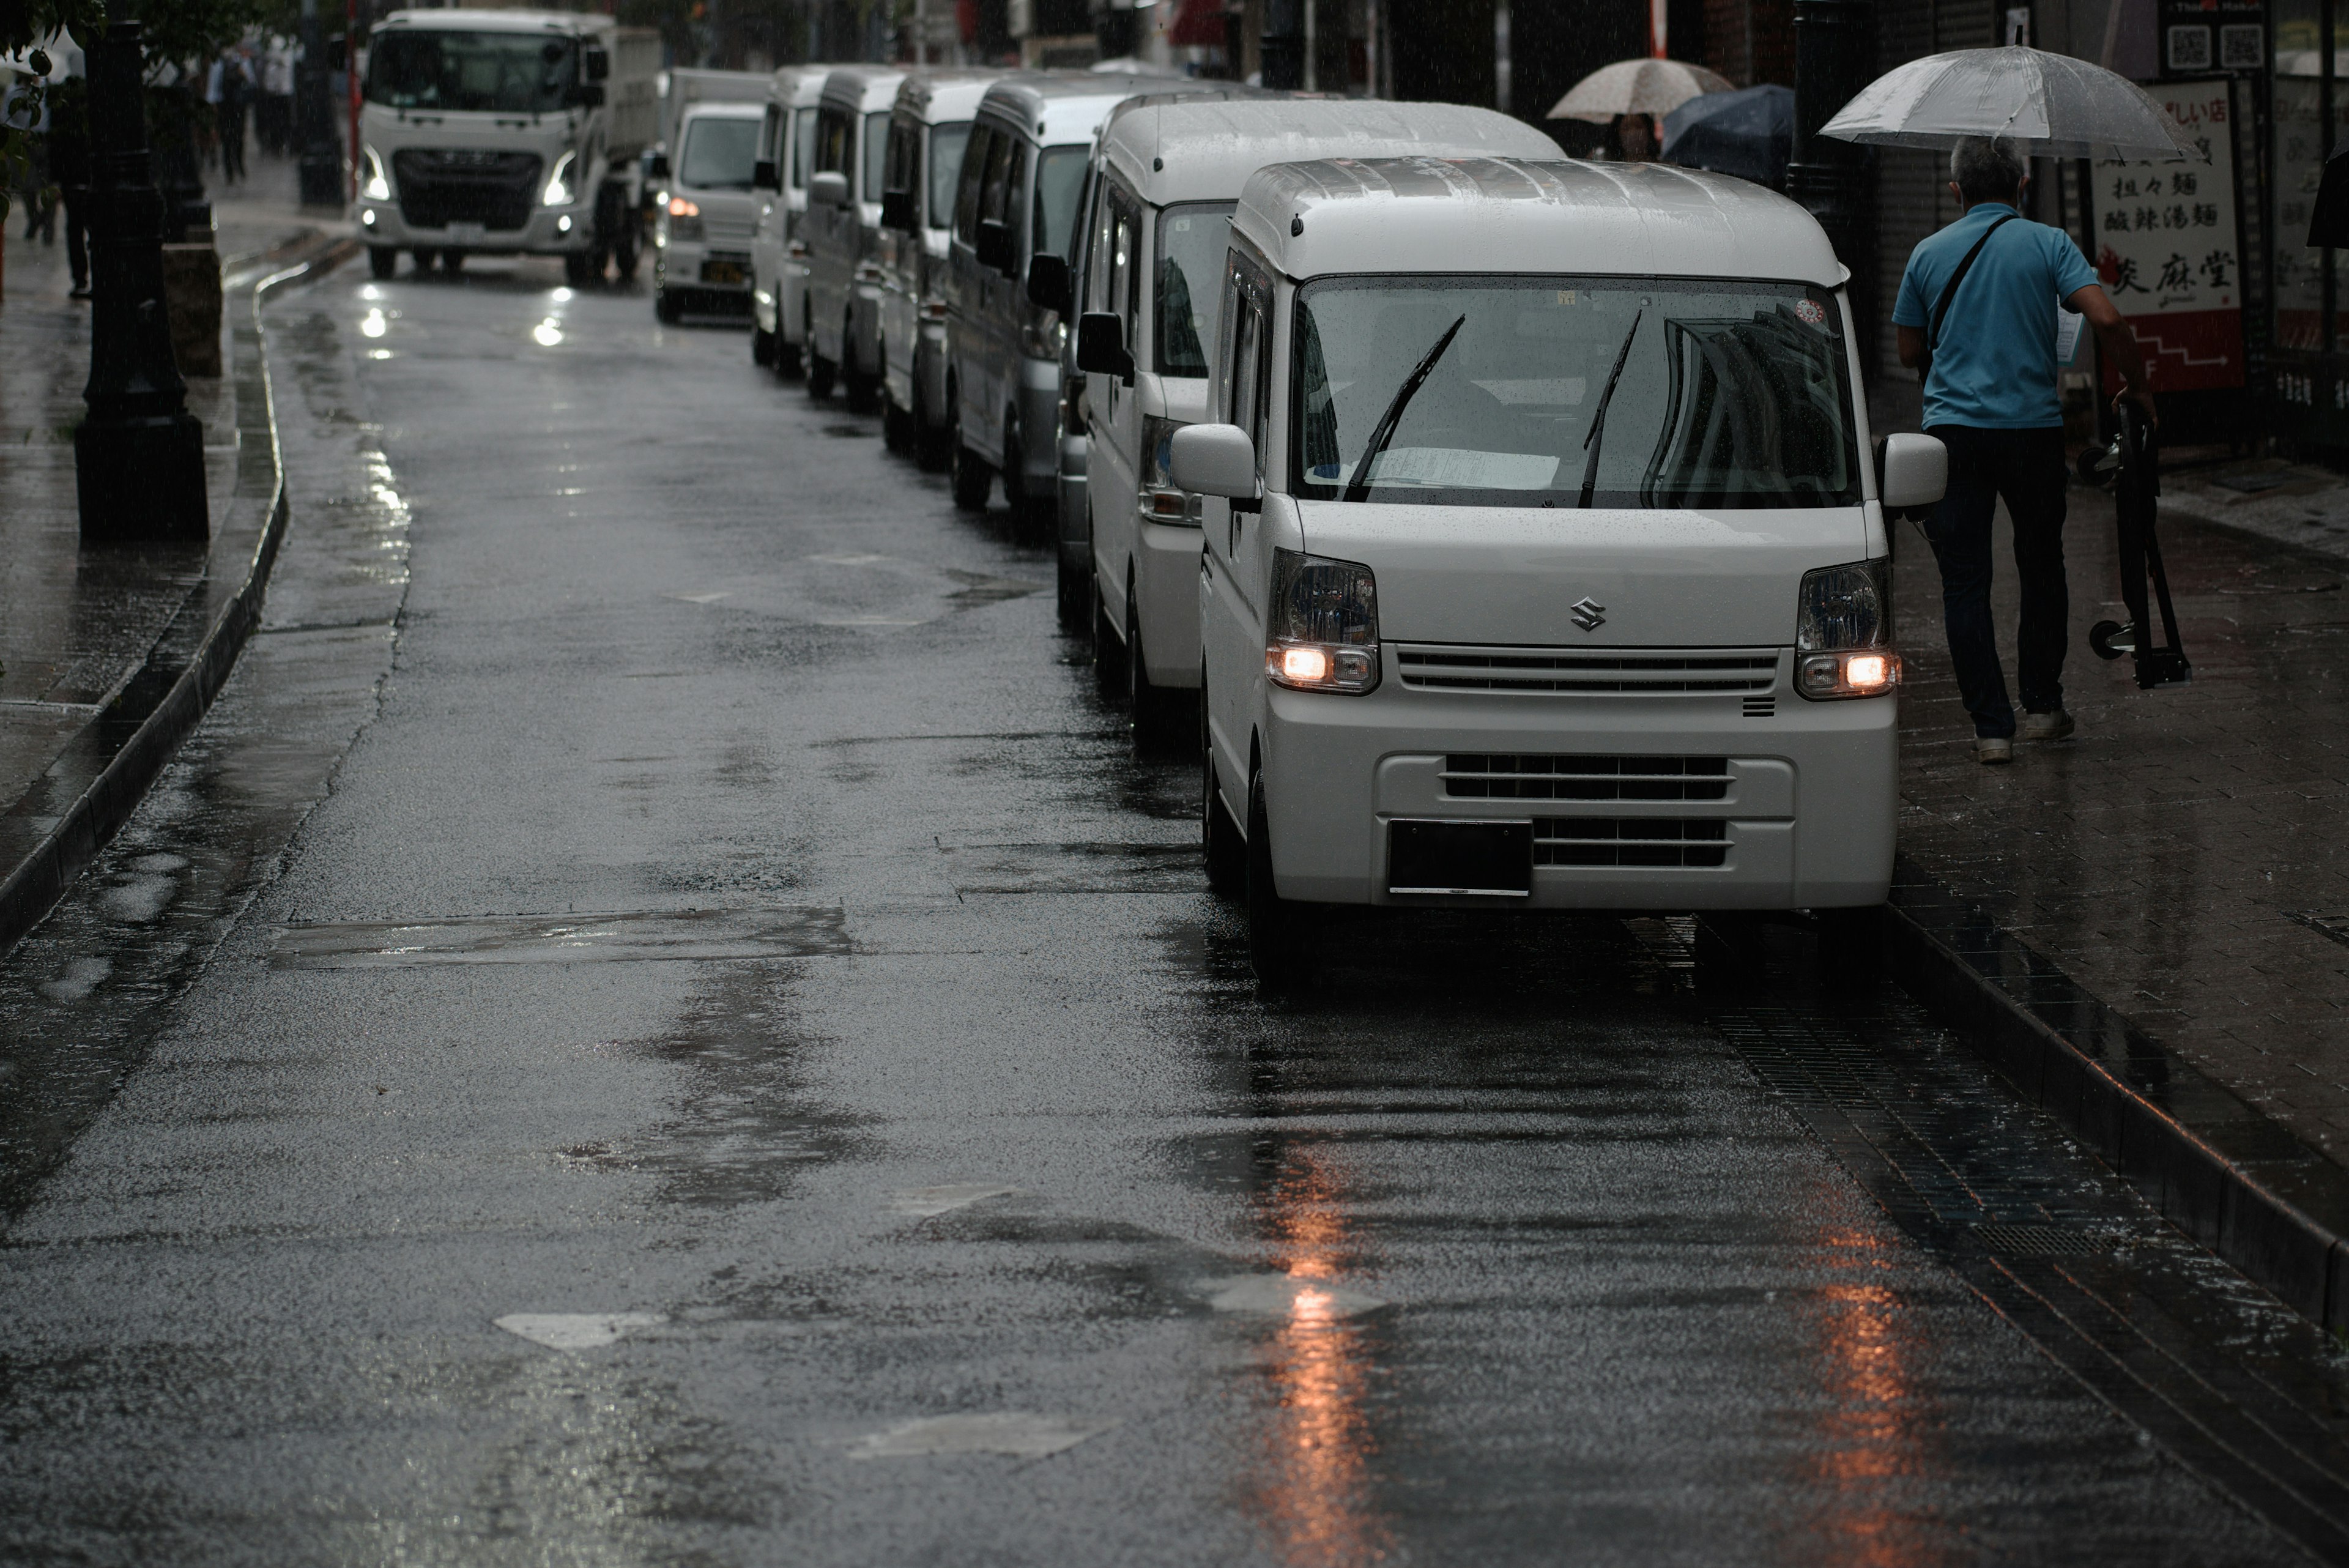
{"x": 739, "y": 951}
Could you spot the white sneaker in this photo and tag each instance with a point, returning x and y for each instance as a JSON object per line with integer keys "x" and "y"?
{"x": 2056, "y": 726}
{"x": 1990, "y": 750}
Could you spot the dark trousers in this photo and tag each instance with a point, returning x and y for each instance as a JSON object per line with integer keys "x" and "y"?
{"x": 75, "y": 202}
{"x": 2025, "y": 469}
{"x": 231, "y": 144}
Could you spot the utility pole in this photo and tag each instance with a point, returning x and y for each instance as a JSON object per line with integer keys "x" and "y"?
{"x": 138, "y": 457}
{"x": 313, "y": 118}
{"x": 1835, "y": 52}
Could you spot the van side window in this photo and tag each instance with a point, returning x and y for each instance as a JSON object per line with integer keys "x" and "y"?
{"x": 771, "y": 134}
{"x": 966, "y": 190}
{"x": 802, "y": 145}
{"x": 1244, "y": 357}
{"x": 1101, "y": 250}
{"x": 1125, "y": 232}
{"x": 990, "y": 187}
{"x": 833, "y": 133}
{"x": 904, "y": 151}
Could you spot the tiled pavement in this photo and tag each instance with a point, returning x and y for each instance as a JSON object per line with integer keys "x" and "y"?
{"x": 2184, "y": 858}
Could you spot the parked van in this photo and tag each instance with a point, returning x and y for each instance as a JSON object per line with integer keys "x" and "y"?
{"x": 701, "y": 236}
{"x": 841, "y": 229}
{"x": 1544, "y": 568}
{"x": 1160, "y": 216}
{"x": 1018, "y": 199}
{"x": 778, "y": 256}
{"x": 929, "y": 128}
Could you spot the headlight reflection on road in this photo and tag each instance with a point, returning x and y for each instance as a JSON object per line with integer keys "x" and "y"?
{"x": 372, "y": 324}
{"x": 548, "y": 332}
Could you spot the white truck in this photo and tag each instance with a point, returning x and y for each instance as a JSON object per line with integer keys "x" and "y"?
{"x": 505, "y": 132}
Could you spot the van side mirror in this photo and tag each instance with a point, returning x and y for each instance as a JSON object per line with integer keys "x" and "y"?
{"x": 588, "y": 94}
{"x": 762, "y": 176}
{"x": 1913, "y": 471}
{"x": 599, "y": 62}
{"x": 1101, "y": 347}
{"x": 829, "y": 189}
{"x": 897, "y": 209}
{"x": 659, "y": 169}
{"x": 994, "y": 245}
{"x": 1215, "y": 459}
{"x": 1048, "y": 280}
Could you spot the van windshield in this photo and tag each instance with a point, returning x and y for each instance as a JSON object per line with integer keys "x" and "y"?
{"x": 947, "y": 144}
{"x": 720, "y": 153}
{"x": 1059, "y": 177}
{"x": 486, "y": 72}
{"x": 1732, "y": 394}
{"x": 1192, "y": 240}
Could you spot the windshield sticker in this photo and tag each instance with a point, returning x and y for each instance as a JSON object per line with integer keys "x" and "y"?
{"x": 1811, "y": 311}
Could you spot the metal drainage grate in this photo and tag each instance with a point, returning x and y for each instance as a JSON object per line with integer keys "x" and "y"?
{"x": 2042, "y": 1240}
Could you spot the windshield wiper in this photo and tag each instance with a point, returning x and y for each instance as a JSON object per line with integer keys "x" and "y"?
{"x": 1359, "y": 487}
{"x": 1596, "y": 438}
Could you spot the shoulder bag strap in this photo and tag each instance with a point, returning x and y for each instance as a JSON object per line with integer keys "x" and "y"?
{"x": 1950, "y": 291}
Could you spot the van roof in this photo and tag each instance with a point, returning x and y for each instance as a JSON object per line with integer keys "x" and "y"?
{"x": 798, "y": 87}
{"x": 931, "y": 96}
{"x": 862, "y": 89}
{"x": 1518, "y": 215}
{"x": 1072, "y": 108}
{"x": 721, "y": 108}
{"x": 1204, "y": 150}
{"x": 470, "y": 21}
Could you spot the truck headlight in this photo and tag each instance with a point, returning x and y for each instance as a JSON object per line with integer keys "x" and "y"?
{"x": 374, "y": 186}
{"x": 1843, "y": 629}
{"x": 558, "y": 185}
{"x": 1324, "y": 624}
{"x": 1160, "y": 502}
{"x": 683, "y": 219}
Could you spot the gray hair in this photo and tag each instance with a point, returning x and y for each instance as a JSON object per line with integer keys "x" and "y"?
{"x": 1988, "y": 167}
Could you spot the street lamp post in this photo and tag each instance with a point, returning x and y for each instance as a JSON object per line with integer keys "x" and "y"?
{"x": 1834, "y": 46}
{"x": 138, "y": 456}
{"x": 313, "y": 118}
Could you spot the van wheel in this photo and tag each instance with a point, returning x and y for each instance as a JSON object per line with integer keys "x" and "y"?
{"x": 855, "y": 381}
{"x": 931, "y": 450}
{"x": 665, "y": 309}
{"x": 1109, "y": 653}
{"x": 383, "y": 260}
{"x": 896, "y": 424}
{"x": 820, "y": 374}
{"x": 1276, "y": 934}
{"x": 1218, "y": 833}
{"x": 763, "y": 345}
{"x": 1076, "y": 578}
{"x": 970, "y": 475}
{"x": 1031, "y": 514}
{"x": 1160, "y": 724}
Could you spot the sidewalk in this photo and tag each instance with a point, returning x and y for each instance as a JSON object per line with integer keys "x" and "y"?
{"x": 75, "y": 628}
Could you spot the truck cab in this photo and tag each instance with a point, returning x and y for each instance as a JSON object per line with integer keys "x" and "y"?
{"x": 1544, "y": 567}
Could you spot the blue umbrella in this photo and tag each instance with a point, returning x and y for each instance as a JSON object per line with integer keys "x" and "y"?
{"x": 1748, "y": 133}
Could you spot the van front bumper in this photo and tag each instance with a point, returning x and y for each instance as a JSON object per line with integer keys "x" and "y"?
{"x": 551, "y": 230}
{"x": 1806, "y": 821}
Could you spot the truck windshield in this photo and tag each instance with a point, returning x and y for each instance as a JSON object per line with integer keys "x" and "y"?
{"x": 720, "y": 153}
{"x": 1192, "y": 240}
{"x": 1059, "y": 176}
{"x": 947, "y": 142}
{"x": 1732, "y": 394}
{"x": 499, "y": 73}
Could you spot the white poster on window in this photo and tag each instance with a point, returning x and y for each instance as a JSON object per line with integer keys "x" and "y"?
{"x": 2165, "y": 248}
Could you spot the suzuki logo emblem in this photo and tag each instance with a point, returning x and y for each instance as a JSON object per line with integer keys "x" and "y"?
{"x": 1589, "y": 614}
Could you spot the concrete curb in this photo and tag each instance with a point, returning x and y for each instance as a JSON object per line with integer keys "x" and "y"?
{"x": 2214, "y": 1165}
{"x": 106, "y": 769}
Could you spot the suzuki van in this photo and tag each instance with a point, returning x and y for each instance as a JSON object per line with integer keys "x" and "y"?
{"x": 778, "y": 257}
{"x": 1543, "y": 569}
{"x": 929, "y": 128}
{"x": 701, "y": 236}
{"x": 1167, "y": 179}
{"x": 842, "y": 227}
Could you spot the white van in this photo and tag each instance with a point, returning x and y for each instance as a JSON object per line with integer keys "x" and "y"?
{"x": 1544, "y": 568}
{"x": 842, "y": 228}
{"x": 1167, "y": 177}
{"x": 778, "y": 256}
{"x": 929, "y": 128}
{"x": 701, "y": 234}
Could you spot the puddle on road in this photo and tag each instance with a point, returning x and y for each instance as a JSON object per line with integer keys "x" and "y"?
{"x": 924, "y": 1202}
{"x": 577, "y": 1330}
{"x": 638, "y": 936}
{"x": 1016, "y": 1433}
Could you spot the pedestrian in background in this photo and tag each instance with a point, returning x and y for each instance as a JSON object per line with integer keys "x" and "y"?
{"x": 1976, "y": 313}
{"x": 69, "y": 167}
{"x": 273, "y": 115}
{"x": 235, "y": 90}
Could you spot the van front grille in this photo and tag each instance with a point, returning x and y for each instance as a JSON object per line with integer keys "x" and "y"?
{"x": 1484, "y": 775}
{"x": 1630, "y": 841}
{"x": 1634, "y": 673}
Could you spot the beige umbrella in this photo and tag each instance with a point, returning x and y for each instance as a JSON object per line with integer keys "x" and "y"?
{"x": 1637, "y": 86}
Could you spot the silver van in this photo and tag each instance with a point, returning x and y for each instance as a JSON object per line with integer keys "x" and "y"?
{"x": 929, "y": 128}
{"x": 842, "y": 228}
{"x": 778, "y": 256}
{"x": 701, "y": 236}
{"x": 1021, "y": 178}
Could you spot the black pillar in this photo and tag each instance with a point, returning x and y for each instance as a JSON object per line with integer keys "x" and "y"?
{"x": 1281, "y": 49}
{"x": 1835, "y": 53}
{"x": 138, "y": 457}
{"x": 313, "y": 118}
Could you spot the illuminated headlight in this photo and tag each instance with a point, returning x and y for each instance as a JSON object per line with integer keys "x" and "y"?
{"x": 367, "y": 216}
{"x": 1842, "y": 626}
{"x": 683, "y": 219}
{"x": 558, "y": 185}
{"x": 375, "y": 187}
{"x": 1324, "y": 624}
{"x": 1160, "y": 502}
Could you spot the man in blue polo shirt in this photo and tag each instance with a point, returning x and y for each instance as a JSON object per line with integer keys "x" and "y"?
{"x": 1991, "y": 398}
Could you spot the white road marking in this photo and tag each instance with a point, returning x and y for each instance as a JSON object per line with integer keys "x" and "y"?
{"x": 1019, "y": 1433}
{"x": 577, "y": 1330}
{"x": 704, "y": 599}
{"x": 925, "y": 1202}
{"x": 1289, "y": 1296}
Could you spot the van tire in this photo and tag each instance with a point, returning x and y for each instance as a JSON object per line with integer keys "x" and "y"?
{"x": 897, "y": 425}
{"x": 1160, "y": 723}
{"x": 1076, "y": 578}
{"x": 383, "y": 260}
{"x": 820, "y": 374}
{"x": 1030, "y": 515}
{"x": 762, "y": 346}
{"x": 930, "y": 451}
{"x": 857, "y": 384}
{"x": 1109, "y": 653}
{"x": 1276, "y": 947}
{"x": 665, "y": 309}
{"x": 1219, "y": 836}
{"x": 969, "y": 473}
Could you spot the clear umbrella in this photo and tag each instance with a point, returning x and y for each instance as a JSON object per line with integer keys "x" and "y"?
{"x": 2055, "y": 105}
{"x": 1636, "y": 86}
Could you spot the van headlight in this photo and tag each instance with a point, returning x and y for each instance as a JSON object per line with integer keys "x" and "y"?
{"x": 1160, "y": 502}
{"x": 683, "y": 219}
{"x": 558, "y": 185}
{"x": 1324, "y": 624}
{"x": 1843, "y": 629}
{"x": 374, "y": 187}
